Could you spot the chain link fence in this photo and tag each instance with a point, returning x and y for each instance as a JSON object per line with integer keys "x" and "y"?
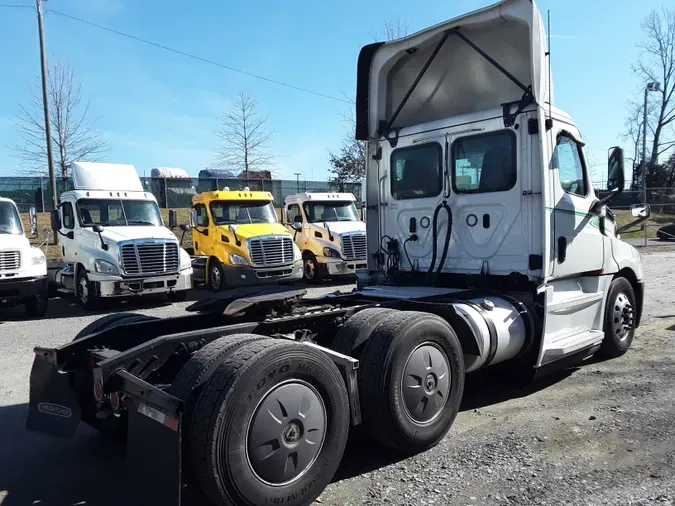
{"x": 170, "y": 193}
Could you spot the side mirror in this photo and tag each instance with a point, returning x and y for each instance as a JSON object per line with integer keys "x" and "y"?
{"x": 55, "y": 219}
{"x": 32, "y": 213}
{"x": 233, "y": 228}
{"x": 185, "y": 228}
{"x": 284, "y": 216}
{"x": 640, "y": 210}
{"x": 616, "y": 176}
{"x": 173, "y": 218}
{"x": 193, "y": 218}
{"x": 297, "y": 225}
{"x": 98, "y": 229}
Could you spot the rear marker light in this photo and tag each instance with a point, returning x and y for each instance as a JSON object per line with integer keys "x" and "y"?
{"x": 98, "y": 391}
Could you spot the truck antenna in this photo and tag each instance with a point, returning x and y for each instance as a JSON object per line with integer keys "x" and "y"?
{"x": 548, "y": 54}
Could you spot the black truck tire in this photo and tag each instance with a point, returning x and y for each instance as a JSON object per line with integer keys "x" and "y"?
{"x": 36, "y": 306}
{"x": 216, "y": 276}
{"x": 85, "y": 292}
{"x": 270, "y": 426}
{"x": 411, "y": 382}
{"x": 351, "y": 338}
{"x": 619, "y": 321}
{"x": 312, "y": 271}
{"x": 202, "y": 364}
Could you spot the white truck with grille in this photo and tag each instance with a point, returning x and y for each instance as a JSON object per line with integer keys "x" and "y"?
{"x": 113, "y": 240}
{"x": 328, "y": 231}
{"x": 23, "y": 274}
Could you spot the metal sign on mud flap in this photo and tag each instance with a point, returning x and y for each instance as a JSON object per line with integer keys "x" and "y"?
{"x": 55, "y": 409}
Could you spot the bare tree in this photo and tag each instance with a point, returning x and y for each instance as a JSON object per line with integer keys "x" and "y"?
{"x": 393, "y": 29}
{"x": 244, "y": 138}
{"x": 656, "y": 64}
{"x": 75, "y": 135}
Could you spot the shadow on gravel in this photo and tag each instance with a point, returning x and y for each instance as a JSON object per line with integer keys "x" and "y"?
{"x": 88, "y": 469}
{"x": 489, "y": 387}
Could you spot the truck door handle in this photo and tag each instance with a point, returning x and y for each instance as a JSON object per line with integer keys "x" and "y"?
{"x": 562, "y": 249}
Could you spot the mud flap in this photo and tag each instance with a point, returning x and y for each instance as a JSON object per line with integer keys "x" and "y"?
{"x": 154, "y": 455}
{"x": 54, "y": 408}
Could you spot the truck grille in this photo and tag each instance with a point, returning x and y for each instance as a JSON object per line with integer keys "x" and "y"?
{"x": 149, "y": 258}
{"x": 10, "y": 260}
{"x": 271, "y": 250}
{"x": 354, "y": 246}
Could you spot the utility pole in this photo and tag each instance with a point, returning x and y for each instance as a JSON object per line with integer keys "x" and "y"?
{"x": 651, "y": 86}
{"x": 45, "y": 100}
{"x": 297, "y": 177}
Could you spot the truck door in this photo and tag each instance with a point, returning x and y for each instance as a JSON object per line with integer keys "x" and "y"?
{"x": 578, "y": 244}
{"x": 67, "y": 239}
{"x": 294, "y": 213}
{"x": 202, "y": 238}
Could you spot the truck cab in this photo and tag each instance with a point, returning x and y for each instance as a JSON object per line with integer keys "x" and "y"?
{"x": 238, "y": 240}
{"x": 113, "y": 240}
{"x": 481, "y": 182}
{"x": 23, "y": 270}
{"x": 327, "y": 229}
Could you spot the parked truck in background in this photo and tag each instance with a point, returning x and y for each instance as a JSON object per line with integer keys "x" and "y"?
{"x": 113, "y": 240}
{"x": 327, "y": 229}
{"x": 23, "y": 268}
{"x": 486, "y": 245}
{"x": 238, "y": 240}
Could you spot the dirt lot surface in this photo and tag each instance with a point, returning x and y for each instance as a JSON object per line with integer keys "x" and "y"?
{"x": 603, "y": 433}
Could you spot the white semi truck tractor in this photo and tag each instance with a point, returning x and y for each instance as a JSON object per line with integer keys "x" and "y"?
{"x": 487, "y": 245}
{"x": 23, "y": 269}
{"x": 113, "y": 241}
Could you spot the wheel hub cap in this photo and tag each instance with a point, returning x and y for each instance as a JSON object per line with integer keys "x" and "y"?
{"x": 215, "y": 277}
{"x": 426, "y": 383}
{"x": 309, "y": 269}
{"x": 622, "y": 316}
{"x": 84, "y": 290}
{"x": 286, "y": 433}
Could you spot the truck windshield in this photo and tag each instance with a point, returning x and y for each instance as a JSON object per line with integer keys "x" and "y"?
{"x": 118, "y": 213}
{"x": 330, "y": 211}
{"x": 10, "y": 223}
{"x": 225, "y": 213}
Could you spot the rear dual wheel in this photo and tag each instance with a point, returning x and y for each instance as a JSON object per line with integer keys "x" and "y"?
{"x": 269, "y": 426}
{"x": 411, "y": 376}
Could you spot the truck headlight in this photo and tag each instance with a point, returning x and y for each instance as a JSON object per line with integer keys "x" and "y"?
{"x": 330, "y": 252}
{"x": 105, "y": 267}
{"x": 297, "y": 254}
{"x": 185, "y": 260}
{"x": 236, "y": 259}
{"x": 38, "y": 259}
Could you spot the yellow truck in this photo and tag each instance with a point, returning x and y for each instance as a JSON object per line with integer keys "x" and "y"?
{"x": 238, "y": 240}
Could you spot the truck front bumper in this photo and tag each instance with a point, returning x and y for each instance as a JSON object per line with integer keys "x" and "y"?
{"x": 14, "y": 290}
{"x": 247, "y": 276}
{"x": 339, "y": 267}
{"x": 116, "y": 286}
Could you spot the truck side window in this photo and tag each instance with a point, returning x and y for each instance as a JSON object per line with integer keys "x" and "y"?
{"x": 68, "y": 216}
{"x": 484, "y": 163}
{"x": 570, "y": 166}
{"x": 202, "y": 216}
{"x": 294, "y": 213}
{"x": 416, "y": 171}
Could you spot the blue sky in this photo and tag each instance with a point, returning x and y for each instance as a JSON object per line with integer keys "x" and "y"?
{"x": 160, "y": 108}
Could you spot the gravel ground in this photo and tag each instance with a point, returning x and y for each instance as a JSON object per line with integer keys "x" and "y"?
{"x": 603, "y": 433}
